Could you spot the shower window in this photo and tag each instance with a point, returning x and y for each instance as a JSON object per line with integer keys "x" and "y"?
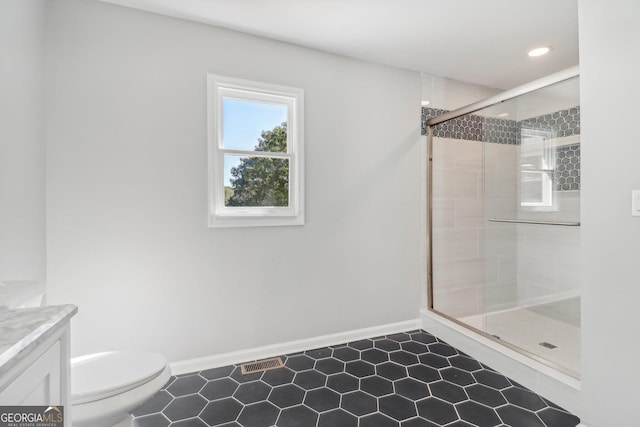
{"x": 537, "y": 164}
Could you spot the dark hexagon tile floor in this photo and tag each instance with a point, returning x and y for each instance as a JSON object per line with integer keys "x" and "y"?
{"x": 410, "y": 379}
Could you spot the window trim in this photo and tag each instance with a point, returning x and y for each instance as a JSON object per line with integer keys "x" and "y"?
{"x": 219, "y": 215}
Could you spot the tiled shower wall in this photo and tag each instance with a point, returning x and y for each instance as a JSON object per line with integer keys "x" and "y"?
{"x": 484, "y": 266}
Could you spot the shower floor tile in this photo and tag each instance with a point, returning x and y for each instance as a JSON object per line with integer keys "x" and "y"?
{"x": 401, "y": 380}
{"x": 527, "y": 329}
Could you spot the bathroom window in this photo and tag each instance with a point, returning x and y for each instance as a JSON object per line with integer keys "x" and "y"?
{"x": 255, "y": 153}
{"x": 537, "y": 164}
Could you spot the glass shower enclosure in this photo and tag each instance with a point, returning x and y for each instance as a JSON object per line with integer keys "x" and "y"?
{"x": 504, "y": 218}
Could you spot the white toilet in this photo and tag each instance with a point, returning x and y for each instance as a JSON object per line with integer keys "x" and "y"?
{"x": 106, "y": 387}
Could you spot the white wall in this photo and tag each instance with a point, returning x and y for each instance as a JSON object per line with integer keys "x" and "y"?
{"x": 22, "y": 162}
{"x": 450, "y": 94}
{"x": 127, "y": 206}
{"x": 609, "y": 67}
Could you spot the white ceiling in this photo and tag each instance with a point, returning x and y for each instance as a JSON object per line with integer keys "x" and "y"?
{"x": 477, "y": 41}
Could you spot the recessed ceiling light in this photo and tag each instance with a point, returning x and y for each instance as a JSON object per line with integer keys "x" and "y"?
{"x": 425, "y": 103}
{"x": 539, "y": 51}
{"x": 503, "y": 114}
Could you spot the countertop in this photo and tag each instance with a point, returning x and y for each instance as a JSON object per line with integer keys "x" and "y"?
{"x": 21, "y": 330}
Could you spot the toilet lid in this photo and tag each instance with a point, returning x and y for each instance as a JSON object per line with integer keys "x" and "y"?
{"x": 101, "y": 375}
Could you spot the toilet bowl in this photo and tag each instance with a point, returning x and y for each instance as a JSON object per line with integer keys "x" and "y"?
{"x": 106, "y": 387}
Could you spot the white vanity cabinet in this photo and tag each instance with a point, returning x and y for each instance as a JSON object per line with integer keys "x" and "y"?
{"x": 35, "y": 357}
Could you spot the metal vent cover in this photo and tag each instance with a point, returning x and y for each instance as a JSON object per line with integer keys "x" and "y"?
{"x": 548, "y": 345}
{"x": 261, "y": 365}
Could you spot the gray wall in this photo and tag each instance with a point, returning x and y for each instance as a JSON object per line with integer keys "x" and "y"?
{"x": 127, "y": 196}
{"x": 22, "y": 162}
{"x": 610, "y": 67}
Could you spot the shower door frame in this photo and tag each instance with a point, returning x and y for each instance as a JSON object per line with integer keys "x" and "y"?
{"x": 543, "y": 82}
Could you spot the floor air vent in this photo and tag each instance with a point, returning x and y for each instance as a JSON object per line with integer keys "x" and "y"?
{"x": 261, "y": 365}
{"x": 548, "y": 345}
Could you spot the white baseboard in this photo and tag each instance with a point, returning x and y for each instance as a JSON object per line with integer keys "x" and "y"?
{"x": 257, "y": 353}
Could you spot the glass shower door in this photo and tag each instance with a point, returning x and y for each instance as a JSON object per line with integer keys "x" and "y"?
{"x": 505, "y": 212}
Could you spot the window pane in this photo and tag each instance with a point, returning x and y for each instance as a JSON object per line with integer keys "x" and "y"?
{"x": 256, "y": 181}
{"x": 254, "y": 126}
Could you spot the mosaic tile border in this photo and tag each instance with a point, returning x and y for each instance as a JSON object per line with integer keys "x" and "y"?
{"x": 473, "y": 127}
{"x": 561, "y": 123}
{"x": 566, "y": 176}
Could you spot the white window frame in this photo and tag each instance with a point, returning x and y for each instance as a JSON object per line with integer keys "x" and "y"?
{"x": 540, "y": 144}
{"x": 220, "y": 87}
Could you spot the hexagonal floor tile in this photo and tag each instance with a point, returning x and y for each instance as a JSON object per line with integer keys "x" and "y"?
{"x": 524, "y": 398}
{"x": 286, "y": 395}
{"x": 184, "y": 407}
{"x": 437, "y": 411}
{"x": 217, "y": 389}
{"x": 403, "y": 358}
{"x": 187, "y": 384}
{"x": 378, "y": 420}
{"x": 310, "y": 379}
{"x": 361, "y": 345}
{"x": 411, "y": 389}
{"x": 279, "y": 376}
{"x": 322, "y": 399}
{"x": 414, "y": 347}
{"x": 391, "y": 371}
{"x": 374, "y": 355}
{"x": 418, "y": 422}
{"x": 485, "y": 395}
{"x": 387, "y": 345}
{"x": 442, "y": 349}
{"x": 360, "y": 368}
{"x": 342, "y": 383}
{"x": 191, "y": 422}
{"x": 319, "y": 353}
{"x": 449, "y": 392}
{"x": 337, "y": 417}
{"x": 330, "y": 366}
{"x": 155, "y": 420}
{"x": 300, "y": 363}
{"x": 376, "y": 386}
{"x": 555, "y": 418}
{"x": 215, "y": 373}
{"x": 262, "y": 414}
{"x": 252, "y": 392}
{"x": 466, "y": 363}
{"x": 359, "y": 403}
{"x": 492, "y": 379}
{"x": 401, "y": 337}
{"x": 457, "y": 376}
{"x": 434, "y": 360}
{"x": 478, "y": 414}
{"x": 515, "y": 416}
{"x": 397, "y": 407}
{"x": 424, "y": 373}
{"x": 297, "y": 416}
{"x": 221, "y": 411}
{"x": 240, "y": 378}
{"x": 423, "y": 337}
{"x": 346, "y": 354}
